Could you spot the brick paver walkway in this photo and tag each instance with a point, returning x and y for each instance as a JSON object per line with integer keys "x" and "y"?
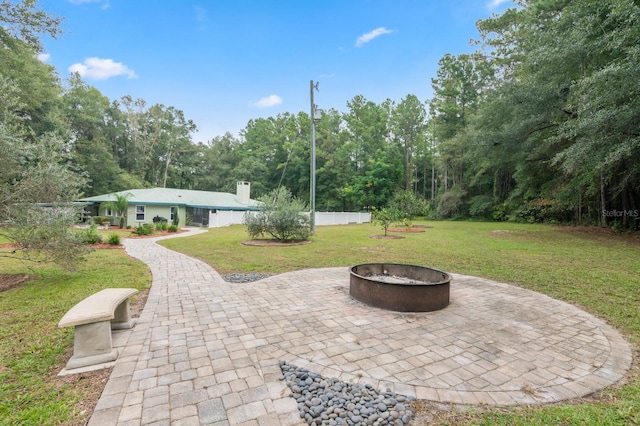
{"x": 206, "y": 352}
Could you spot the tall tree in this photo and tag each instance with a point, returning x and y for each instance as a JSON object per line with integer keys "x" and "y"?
{"x": 408, "y": 124}
{"x": 457, "y": 89}
{"x": 566, "y": 112}
{"x": 36, "y": 186}
{"x": 22, "y": 21}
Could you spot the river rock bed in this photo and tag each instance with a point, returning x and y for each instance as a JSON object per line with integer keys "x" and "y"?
{"x": 244, "y": 278}
{"x": 328, "y": 401}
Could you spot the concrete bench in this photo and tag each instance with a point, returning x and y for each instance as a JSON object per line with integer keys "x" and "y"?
{"x": 93, "y": 319}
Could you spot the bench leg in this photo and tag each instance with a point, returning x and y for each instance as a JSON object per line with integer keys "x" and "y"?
{"x": 92, "y": 345}
{"x": 122, "y": 317}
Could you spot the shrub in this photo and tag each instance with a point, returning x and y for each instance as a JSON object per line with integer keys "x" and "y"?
{"x": 129, "y": 226}
{"x": 281, "y": 218}
{"x": 410, "y": 205}
{"x": 481, "y": 207}
{"x": 144, "y": 229}
{"x": 543, "y": 210}
{"x": 102, "y": 220}
{"x": 91, "y": 235}
{"x": 114, "y": 239}
{"x": 451, "y": 202}
{"x": 172, "y": 228}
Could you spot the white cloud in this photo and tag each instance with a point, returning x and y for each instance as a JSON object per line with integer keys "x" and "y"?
{"x": 105, "y": 3}
{"x": 268, "y": 101}
{"x": 366, "y": 38}
{"x": 44, "y": 57}
{"x": 493, "y": 4}
{"x": 101, "y": 69}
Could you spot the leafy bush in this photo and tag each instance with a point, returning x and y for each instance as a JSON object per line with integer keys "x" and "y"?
{"x": 172, "y": 228}
{"x": 176, "y": 218}
{"x": 144, "y": 229}
{"x": 281, "y": 217}
{"x": 500, "y": 212}
{"x": 481, "y": 207}
{"x": 114, "y": 239}
{"x": 409, "y": 205}
{"x": 451, "y": 202}
{"x": 91, "y": 235}
{"x": 102, "y": 220}
{"x": 543, "y": 210}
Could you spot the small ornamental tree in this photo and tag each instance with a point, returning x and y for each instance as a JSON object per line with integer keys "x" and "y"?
{"x": 280, "y": 217}
{"x": 385, "y": 217}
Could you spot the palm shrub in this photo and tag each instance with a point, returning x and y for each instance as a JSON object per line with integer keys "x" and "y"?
{"x": 113, "y": 239}
{"x": 280, "y": 217}
{"x": 120, "y": 206}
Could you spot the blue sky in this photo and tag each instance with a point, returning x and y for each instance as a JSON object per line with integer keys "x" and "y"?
{"x": 224, "y": 62}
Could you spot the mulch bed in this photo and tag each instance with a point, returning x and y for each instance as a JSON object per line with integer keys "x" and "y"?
{"x": 409, "y": 230}
{"x": 157, "y": 234}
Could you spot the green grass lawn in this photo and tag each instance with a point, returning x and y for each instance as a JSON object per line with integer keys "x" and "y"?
{"x": 591, "y": 268}
{"x": 32, "y": 348}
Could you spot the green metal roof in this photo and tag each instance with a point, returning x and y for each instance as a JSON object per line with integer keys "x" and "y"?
{"x": 178, "y": 197}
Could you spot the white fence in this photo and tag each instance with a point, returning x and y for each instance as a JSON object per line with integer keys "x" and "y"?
{"x": 341, "y": 218}
{"x": 229, "y": 217}
{"x": 226, "y": 218}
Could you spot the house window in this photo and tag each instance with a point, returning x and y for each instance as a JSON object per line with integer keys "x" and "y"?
{"x": 108, "y": 212}
{"x": 140, "y": 213}
{"x": 174, "y": 211}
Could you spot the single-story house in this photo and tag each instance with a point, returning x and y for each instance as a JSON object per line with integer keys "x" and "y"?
{"x": 192, "y": 207}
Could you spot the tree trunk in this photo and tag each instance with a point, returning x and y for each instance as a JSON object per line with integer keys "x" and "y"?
{"x": 580, "y": 209}
{"x": 603, "y": 204}
{"x": 446, "y": 175}
{"x": 166, "y": 169}
{"x": 433, "y": 181}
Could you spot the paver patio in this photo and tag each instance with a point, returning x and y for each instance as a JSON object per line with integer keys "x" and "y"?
{"x": 206, "y": 352}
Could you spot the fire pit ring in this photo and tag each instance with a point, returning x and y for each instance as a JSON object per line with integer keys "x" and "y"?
{"x": 400, "y": 287}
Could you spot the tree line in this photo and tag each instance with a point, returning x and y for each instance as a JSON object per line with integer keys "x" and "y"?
{"x": 539, "y": 123}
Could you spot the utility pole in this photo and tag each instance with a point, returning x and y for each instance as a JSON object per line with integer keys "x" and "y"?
{"x": 312, "y": 216}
